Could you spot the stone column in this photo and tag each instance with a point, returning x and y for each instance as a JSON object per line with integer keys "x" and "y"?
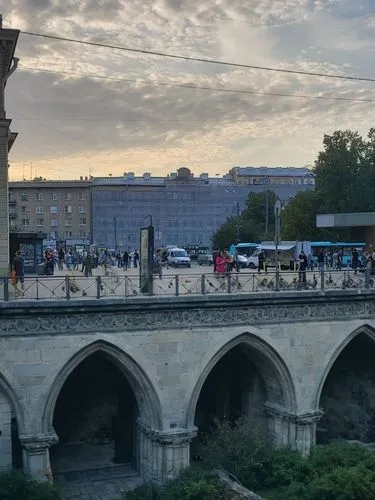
{"x": 4, "y": 215}
{"x": 163, "y": 454}
{"x": 36, "y": 455}
{"x": 296, "y": 430}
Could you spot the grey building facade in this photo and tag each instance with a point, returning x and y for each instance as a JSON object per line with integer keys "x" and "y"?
{"x": 185, "y": 209}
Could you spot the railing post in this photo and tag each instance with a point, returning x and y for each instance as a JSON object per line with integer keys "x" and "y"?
{"x": 277, "y": 282}
{"x": 151, "y": 284}
{"x": 322, "y": 279}
{"x": 67, "y": 287}
{"x": 177, "y": 283}
{"x": 229, "y": 282}
{"x": 37, "y": 288}
{"x": 126, "y": 287}
{"x": 98, "y": 286}
{"x": 6, "y": 289}
{"x": 203, "y": 284}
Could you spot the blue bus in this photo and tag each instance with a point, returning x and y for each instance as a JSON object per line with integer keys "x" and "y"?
{"x": 345, "y": 247}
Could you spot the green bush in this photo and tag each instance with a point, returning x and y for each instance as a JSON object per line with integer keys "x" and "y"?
{"x": 194, "y": 483}
{"x": 144, "y": 492}
{"x": 18, "y": 486}
{"x": 344, "y": 483}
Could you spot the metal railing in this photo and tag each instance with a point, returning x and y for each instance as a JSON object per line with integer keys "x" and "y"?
{"x": 72, "y": 287}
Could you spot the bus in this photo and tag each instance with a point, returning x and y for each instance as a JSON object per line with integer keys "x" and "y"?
{"x": 342, "y": 246}
{"x": 245, "y": 249}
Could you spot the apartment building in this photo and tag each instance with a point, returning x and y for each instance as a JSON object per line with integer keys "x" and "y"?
{"x": 186, "y": 209}
{"x": 58, "y": 209}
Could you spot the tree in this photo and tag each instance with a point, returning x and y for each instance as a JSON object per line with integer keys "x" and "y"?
{"x": 252, "y": 222}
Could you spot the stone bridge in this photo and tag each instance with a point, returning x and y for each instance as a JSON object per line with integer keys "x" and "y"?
{"x": 133, "y": 380}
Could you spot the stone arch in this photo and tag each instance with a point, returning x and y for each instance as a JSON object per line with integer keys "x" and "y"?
{"x": 8, "y": 391}
{"x": 11, "y": 425}
{"x": 145, "y": 394}
{"x": 278, "y": 380}
{"x": 364, "y": 329}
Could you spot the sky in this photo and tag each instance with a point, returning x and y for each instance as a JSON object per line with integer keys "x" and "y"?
{"x": 71, "y": 123}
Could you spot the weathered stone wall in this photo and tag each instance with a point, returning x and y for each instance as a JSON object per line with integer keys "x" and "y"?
{"x": 167, "y": 348}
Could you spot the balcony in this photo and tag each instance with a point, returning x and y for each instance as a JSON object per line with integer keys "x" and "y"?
{"x": 12, "y": 214}
{"x": 12, "y": 202}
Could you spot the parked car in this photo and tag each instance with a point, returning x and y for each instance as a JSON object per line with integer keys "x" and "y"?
{"x": 242, "y": 261}
{"x": 177, "y": 257}
{"x": 205, "y": 259}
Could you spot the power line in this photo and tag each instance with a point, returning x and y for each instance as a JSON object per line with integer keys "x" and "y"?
{"x": 198, "y": 59}
{"x": 199, "y": 87}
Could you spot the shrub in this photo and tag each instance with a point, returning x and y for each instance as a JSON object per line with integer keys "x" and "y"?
{"x": 18, "y": 486}
{"x": 326, "y": 458}
{"x": 194, "y": 483}
{"x": 344, "y": 483}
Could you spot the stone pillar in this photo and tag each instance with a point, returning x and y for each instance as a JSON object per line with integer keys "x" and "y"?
{"x": 295, "y": 430}
{"x": 163, "y": 454}
{"x": 4, "y": 214}
{"x": 36, "y": 455}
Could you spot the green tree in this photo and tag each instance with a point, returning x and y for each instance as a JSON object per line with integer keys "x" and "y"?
{"x": 252, "y": 223}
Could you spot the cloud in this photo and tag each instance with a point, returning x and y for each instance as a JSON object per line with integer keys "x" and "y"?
{"x": 71, "y": 125}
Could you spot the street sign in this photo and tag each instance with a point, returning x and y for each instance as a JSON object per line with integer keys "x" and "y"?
{"x": 146, "y": 259}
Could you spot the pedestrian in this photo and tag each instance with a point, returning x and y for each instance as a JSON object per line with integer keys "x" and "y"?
{"x": 136, "y": 258}
{"x": 321, "y": 260}
{"x": 61, "y": 257}
{"x": 221, "y": 264}
{"x": 18, "y": 267}
{"x": 87, "y": 266}
{"x": 355, "y": 260}
{"x": 303, "y": 264}
{"x": 261, "y": 262}
{"x": 125, "y": 260}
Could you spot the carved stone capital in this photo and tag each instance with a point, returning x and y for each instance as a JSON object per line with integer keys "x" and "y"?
{"x": 301, "y": 419}
{"x": 38, "y": 443}
{"x": 173, "y": 437}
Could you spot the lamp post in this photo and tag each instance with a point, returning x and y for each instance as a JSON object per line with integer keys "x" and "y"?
{"x": 115, "y": 231}
{"x": 237, "y": 205}
{"x": 150, "y": 219}
{"x": 277, "y": 210}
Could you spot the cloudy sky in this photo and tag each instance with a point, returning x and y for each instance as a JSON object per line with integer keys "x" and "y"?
{"x": 72, "y": 124}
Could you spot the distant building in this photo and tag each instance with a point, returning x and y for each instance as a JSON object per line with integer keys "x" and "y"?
{"x": 58, "y": 209}
{"x": 185, "y": 209}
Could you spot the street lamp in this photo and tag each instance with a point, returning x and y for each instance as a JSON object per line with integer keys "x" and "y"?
{"x": 277, "y": 210}
{"x": 150, "y": 218}
{"x": 237, "y": 205}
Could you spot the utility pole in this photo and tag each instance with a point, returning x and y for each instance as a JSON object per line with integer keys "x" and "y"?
{"x": 277, "y": 210}
{"x": 115, "y": 231}
{"x": 238, "y": 222}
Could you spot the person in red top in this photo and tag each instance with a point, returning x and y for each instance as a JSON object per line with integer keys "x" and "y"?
{"x": 221, "y": 263}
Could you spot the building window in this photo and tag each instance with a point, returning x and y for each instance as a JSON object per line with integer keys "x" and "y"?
{"x": 39, "y": 210}
{"x": 12, "y": 223}
{"x": 82, "y": 196}
{"x": 39, "y": 222}
{"x": 68, "y": 196}
{"x": 68, "y": 222}
{"x": 53, "y": 234}
{"x": 53, "y": 210}
{"x": 53, "y": 222}
{"x": 68, "y": 234}
{"x": 82, "y": 209}
{"x": 82, "y": 234}
{"x": 23, "y": 209}
{"x": 39, "y": 196}
{"x": 54, "y": 196}
{"x": 82, "y": 221}
{"x": 68, "y": 209}
{"x": 24, "y": 197}
{"x": 25, "y": 222}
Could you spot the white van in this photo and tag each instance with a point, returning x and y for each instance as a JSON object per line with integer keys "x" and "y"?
{"x": 178, "y": 257}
